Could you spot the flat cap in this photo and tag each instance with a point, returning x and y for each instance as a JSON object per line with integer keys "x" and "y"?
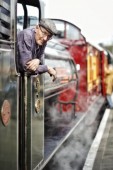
{"x": 49, "y": 25}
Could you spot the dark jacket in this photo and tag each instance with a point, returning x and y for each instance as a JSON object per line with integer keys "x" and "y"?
{"x": 27, "y": 49}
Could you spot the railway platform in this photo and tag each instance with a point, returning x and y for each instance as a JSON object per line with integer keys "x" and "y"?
{"x": 100, "y": 156}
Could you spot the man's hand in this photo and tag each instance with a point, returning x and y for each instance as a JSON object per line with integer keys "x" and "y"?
{"x": 33, "y": 64}
{"x": 52, "y": 72}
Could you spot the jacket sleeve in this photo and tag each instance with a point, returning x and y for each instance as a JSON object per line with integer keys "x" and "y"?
{"x": 24, "y": 49}
{"x": 42, "y": 68}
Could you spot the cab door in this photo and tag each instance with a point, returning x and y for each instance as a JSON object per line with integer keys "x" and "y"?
{"x": 31, "y": 105}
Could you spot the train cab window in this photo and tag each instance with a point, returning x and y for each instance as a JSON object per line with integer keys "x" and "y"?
{"x": 20, "y": 19}
{"x": 60, "y": 25}
{"x": 32, "y": 18}
{"x": 72, "y": 32}
{"x": 67, "y": 30}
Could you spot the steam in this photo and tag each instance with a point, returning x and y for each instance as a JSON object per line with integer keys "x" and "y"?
{"x": 72, "y": 154}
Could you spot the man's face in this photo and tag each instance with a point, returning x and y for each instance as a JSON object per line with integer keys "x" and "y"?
{"x": 42, "y": 35}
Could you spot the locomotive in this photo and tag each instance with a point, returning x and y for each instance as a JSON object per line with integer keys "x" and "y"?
{"x": 21, "y": 126}
{"x": 91, "y": 59}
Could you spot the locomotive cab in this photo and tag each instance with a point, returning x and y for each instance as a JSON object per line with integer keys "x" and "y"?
{"x": 21, "y": 126}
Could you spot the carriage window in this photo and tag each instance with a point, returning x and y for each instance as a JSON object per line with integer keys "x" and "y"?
{"x": 33, "y": 14}
{"x": 5, "y": 22}
{"x": 20, "y": 18}
{"x": 72, "y": 32}
{"x": 33, "y": 18}
{"x": 66, "y": 30}
{"x": 60, "y": 27}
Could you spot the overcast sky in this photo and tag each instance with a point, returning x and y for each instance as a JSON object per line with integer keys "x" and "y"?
{"x": 93, "y": 17}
